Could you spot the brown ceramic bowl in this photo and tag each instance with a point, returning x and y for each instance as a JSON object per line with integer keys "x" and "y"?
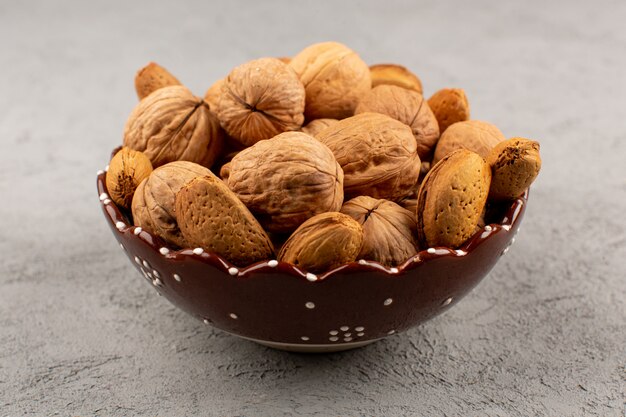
{"x": 279, "y": 305}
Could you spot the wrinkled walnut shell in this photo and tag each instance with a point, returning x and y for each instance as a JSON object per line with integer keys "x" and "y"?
{"x": 335, "y": 79}
{"x": 515, "y": 163}
{"x": 210, "y": 216}
{"x": 323, "y": 242}
{"x": 408, "y": 107}
{"x": 286, "y": 180}
{"x": 451, "y": 199}
{"x": 172, "y": 124}
{"x": 389, "y": 231}
{"x": 152, "y": 77}
{"x": 473, "y": 135}
{"x": 378, "y": 155}
{"x": 392, "y": 74}
{"x": 126, "y": 171}
{"x": 317, "y": 125}
{"x": 449, "y": 106}
{"x": 153, "y": 204}
{"x": 259, "y": 100}
{"x": 212, "y": 95}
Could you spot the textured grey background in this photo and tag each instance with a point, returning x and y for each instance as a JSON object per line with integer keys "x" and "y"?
{"x": 82, "y": 334}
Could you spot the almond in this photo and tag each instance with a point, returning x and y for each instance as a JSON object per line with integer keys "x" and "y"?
{"x": 392, "y": 74}
{"x": 152, "y": 77}
{"x": 514, "y": 164}
{"x": 211, "y": 216}
{"x": 451, "y": 199}
{"x": 449, "y": 105}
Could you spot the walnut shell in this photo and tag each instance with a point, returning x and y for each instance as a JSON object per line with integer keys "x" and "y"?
{"x": 317, "y": 125}
{"x": 389, "y": 231}
{"x": 126, "y": 171}
{"x": 392, "y": 74}
{"x": 378, "y": 155}
{"x": 515, "y": 163}
{"x": 408, "y": 107}
{"x": 452, "y": 198}
{"x": 173, "y": 125}
{"x": 153, "y": 204}
{"x": 286, "y": 180}
{"x": 449, "y": 105}
{"x": 335, "y": 78}
{"x": 152, "y": 77}
{"x": 211, "y": 216}
{"x": 323, "y": 242}
{"x": 473, "y": 135}
{"x": 259, "y": 100}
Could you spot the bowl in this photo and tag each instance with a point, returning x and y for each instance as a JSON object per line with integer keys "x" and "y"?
{"x": 279, "y": 305}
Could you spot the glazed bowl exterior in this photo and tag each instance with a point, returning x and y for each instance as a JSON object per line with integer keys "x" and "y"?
{"x": 279, "y": 305}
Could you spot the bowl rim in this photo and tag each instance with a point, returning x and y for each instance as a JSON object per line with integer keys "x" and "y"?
{"x": 118, "y": 222}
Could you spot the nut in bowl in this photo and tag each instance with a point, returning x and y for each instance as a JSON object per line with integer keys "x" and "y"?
{"x": 274, "y": 252}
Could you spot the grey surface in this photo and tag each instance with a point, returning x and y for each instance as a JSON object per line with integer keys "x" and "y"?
{"x": 82, "y": 334}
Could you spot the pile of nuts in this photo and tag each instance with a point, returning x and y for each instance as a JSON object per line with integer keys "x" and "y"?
{"x": 318, "y": 160}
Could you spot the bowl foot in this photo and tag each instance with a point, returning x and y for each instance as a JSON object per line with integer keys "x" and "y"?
{"x": 313, "y": 348}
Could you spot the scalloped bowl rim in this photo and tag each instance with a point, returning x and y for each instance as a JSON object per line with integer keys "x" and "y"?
{"x": 119, "y": 220}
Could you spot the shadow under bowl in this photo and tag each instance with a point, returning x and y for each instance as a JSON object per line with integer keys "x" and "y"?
{"x": 278, "y": 305}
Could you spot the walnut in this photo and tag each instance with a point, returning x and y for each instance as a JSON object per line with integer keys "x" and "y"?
{"x": 259, "y": 100}
{"x": 473, "y": 135}
{"x": 452, "y": 198}
{"x": 212, "y": 95}
{"x": 286, "y": 180}
{"x": 449, "y": 105}
{"x": 126, "y": 171}
{"x": 152, "y": 77}
{"x": 389, "y": 231}
{"x": 317, "y": 125}
{"x": 378, "y": 155}
{"x": 392, "y": 74}
{"x": 154, "y": 199}
{"x": 335, "y": 78}
{"x": 171, "y": 125}
{"x": 408, "y": 107}
{"x": 323, "y": 242}
{"x": 211, "y": 216}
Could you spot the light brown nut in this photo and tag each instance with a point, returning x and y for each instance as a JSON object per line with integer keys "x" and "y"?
{"x": 408, "y": 107}
{"x": 515, "y": 163}
{"x": 225, "y": 171}
{"x": 392, "y": 74}
{"x": 451, "y": 199}
{"x": 152, "y": 77}
{"x": 212, "y": 95}
{"x": 389, "y": 231}
{"x": 210, "y": 216}
{"x": 286, "y": 180}
{"x": 317, "y": 125}
{"x": 259, "y": 100}
{"x": 323, "y": 242}
{"x": 410, "y": 204}
{"x": 378, "y": 155}
{"x": 449, "y": 105}
{"x": 473, "y": 135}
{"x": 153, "y": 203}
{"x": 126, "y": 171}
{"x": 172, "y": 124}
{"x": 335, "y": 78}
